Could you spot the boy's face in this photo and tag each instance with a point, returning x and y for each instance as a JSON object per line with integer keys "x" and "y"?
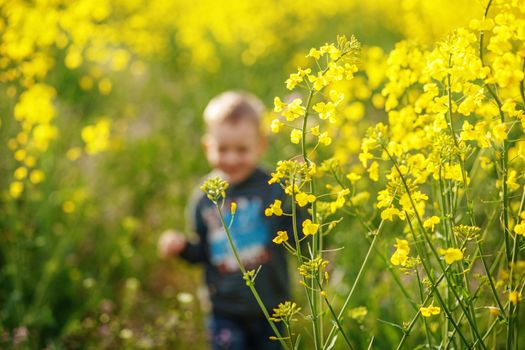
{"x": 234, "y": 149}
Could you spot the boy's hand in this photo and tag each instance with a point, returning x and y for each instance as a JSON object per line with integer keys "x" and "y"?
{"x": 170, "y": 243}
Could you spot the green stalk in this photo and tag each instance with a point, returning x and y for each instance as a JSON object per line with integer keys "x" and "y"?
{"x": 436, "y": 291}
{"x": 357, "y": 279}
{"x": 433, "y": 249}
{"x": 250, "y": 283}
{"x": 314, "y": 298}
{"x": 470, "y": 205}
{"x": 406, "y": 332}
{"x": 334, "y": 316}
{"x": 504, "y": 162}
{"x": 427, "y": 331}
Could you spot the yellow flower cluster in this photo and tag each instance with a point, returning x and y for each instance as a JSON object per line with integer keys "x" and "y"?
{"x": 285, "y": 312}
{"x": 215, "y": 189}
{"x": 341, "y": 65}
{"x": 98, "y": 34}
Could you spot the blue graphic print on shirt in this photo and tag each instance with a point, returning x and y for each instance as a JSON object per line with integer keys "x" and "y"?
{"x": 249, "y": 231}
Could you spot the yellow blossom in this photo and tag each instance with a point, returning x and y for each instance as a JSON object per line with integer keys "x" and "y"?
{"x": 278, "y": 105}
{"x": 309, "y": 228}
{"x": 519, "y": 229}
{"x": 96, "y": 136}
{"x": 353, "y": 177}
{"x": 314, "y": 53}
{"x": 400, "y": 256}
{"x": 15, "y": 189}
{"x": 282, "y": 236}
{"x": 20, "y": 173}
{"x": 74, "y": 153}
{"x": 304, "y": 198}
{"x": 500, "y": 132}
{"x": 233, "y": 208}
{"x": 294, "y": 110}
{"x": 514, "y": 297}
{"x": 274, "y": 209}
{"x": 36, "y": 176}
{"x": 325, "y": 110}
{"x": 451, "y": 254}
{"x": 276, "y": 125}
{"x": 430, "y": 310}
{"x": 388, "y": 213}
{"x": 324, "y": 139}
{"x": 431, "y": 222}
{"x": 373, "y": 171}
{"x": 68, "y": 207}
{"x": 295, "y": 136}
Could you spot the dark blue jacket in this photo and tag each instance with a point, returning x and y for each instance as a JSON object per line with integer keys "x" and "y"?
{"x": 252, "y": 233}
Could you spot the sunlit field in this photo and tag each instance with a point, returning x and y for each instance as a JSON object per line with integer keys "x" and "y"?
{"x": 398, "y": 125}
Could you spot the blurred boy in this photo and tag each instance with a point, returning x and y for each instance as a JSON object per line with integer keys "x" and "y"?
{"x": 234, "y": 143}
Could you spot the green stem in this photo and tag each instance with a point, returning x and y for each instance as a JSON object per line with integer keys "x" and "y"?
{"x": 427, "y": 331}
{"x": 250, "y": 283}
{"x": 435, "y": 253}
{"x": 504, "y": 162}
{"x": 334, "y": 316}
{"x": 357, "y": 279}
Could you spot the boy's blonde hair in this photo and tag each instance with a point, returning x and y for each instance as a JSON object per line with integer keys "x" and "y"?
{"x": 233, "y": 107}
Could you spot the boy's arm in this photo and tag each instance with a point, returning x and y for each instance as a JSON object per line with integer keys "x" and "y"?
{"x": 195, "y": 251}
{"x": 174, "y": 243}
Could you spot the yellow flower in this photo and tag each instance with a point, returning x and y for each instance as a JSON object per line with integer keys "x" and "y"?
{"x": 282, "y": 236}
{"x": 316, "y": 54}
{"x": 276, "y": 125}
{"x": 500, "y": 132}
{"x": 388, "y": 213}
{"x": 340, "y": 201}
{"x": 68, "y": 207}
{"x": 400, "y": 256}
{"x": 519, "y": 229}
{"x": 36, "y": 176}
{"x": 430, "y": 310}
{"x": 20, "y": 173}
{"x": 353, "y": 177}
{"x": 97, "y": 136}
{"x": 451, "y": 255}
{"x": 325, "y": 110}
{"x": 295, "y": 136}
{"x": 104, "y": 86}
{"x": 309, "y": 228}
{"x": 233, "y": 208}
{"x": 294, "y": 110}
{"x": 74, "y": 153}
{"x": 274, "y": 209}
{"x": 431, "y": 222}
{"x": 324, "y": 139}
{"x": 304, "y": 198}
{"x": 514, "y": 297}
{"x": 278, "y": 105}
{"x": 15, "y": 189}
{"x": 293, "y": 80}
{"x": 373, "y": 171}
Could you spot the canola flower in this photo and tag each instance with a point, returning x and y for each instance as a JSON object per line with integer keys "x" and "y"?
{"x": 430, "y": 310}
{"x": 448, "y": 107}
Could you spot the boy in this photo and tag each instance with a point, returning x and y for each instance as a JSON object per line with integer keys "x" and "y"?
{"x": 234, "y": 144}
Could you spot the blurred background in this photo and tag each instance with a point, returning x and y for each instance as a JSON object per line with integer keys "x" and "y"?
{"x": 100, "y": 125}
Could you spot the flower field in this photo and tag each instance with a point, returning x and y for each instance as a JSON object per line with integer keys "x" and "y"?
{"x": 399, "y": 125}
